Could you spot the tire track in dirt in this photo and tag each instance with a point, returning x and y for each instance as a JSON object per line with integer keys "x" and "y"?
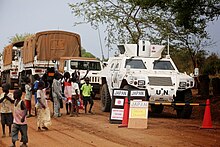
{"x": 72, "y": 137}
{"x": 87, "y": 127}
{"x": 58, "y": 132}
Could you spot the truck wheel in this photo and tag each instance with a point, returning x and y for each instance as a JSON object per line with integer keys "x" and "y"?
{"x": 157, "y": 109}
{"x": 184, "y": 111}
{"x": 105, "y": 98}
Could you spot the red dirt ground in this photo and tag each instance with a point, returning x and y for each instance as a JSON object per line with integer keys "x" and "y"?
{"x": 164, "y": 130}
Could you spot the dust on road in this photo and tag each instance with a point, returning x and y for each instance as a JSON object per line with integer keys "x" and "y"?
{"x": 95, "y": 130}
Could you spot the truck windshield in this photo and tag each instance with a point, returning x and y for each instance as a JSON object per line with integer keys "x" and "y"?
{"x": 84, "y": 65}
{"x": 135, "y": 63}
{"x": 163, "y": 65}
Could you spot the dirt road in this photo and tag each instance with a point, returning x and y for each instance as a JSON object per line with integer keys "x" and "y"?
{"x": 95, "y": 130}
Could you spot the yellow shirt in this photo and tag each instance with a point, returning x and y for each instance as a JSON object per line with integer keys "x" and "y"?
{"x": 86, "y": 89}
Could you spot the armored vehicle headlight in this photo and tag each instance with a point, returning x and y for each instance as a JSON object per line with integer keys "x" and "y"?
{"x": 191, "y": 83}
{"x": 187, "y": 84}
{"x": 141, "y": 82}
{"x": 182, "y": 84}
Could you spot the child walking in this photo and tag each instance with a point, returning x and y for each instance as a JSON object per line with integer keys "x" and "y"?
{"x": 6, "y": 100}
{"x": 35, "y": 87}
{"x": 67, "y": 92}
{"x": 43, "y": 111}
{"x": 57, "y": 94}
{"x": 28, "y": 96}
{"x": 75, "y": 97}
{"x": 86, "y": 91}
{"x": 20, "y": 121}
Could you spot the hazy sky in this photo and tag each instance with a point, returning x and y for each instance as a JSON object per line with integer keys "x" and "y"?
{"x": 31, "y": 16}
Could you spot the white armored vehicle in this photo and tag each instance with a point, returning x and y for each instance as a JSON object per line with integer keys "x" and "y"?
{"x": 142, "y": 67}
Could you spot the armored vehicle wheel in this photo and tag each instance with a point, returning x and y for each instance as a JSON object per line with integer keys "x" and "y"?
{"x": 105, "y": 98}
{"x": 157, "y": 109}
{"x": 127, "y": 87}
{"x": 185, "y": 97}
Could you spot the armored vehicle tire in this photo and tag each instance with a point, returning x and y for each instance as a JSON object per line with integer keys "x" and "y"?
{"x": 127, "y": 87}
{"x": 105, "y": 98}
{"x": 157, "y": 109}
{"x": 184, "y": 111}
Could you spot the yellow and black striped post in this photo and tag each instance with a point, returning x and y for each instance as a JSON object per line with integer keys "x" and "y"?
{"x": 176, "y": 104}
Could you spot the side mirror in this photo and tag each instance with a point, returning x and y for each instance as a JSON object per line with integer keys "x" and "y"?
{"x": 128, "y": 68}
{"x": 196, "y": 72}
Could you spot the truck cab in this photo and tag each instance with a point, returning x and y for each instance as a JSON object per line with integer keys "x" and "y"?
{"x": 84, "y": 67}
{"x": 11, "y": 55}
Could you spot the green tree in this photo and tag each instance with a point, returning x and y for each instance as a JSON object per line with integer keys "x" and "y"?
{"x": 188, "y": 13}
{"x": 127, "y": 21}
{"x": 190, "y": 19}
{"x": 212, "y": 65}
{"x": 19, "y": 37}
{"x": 182, "y": 60}
{"x": 84, "y": 53}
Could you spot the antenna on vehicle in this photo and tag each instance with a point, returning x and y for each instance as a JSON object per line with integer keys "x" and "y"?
{"x": 168, "y": 47}
{"x": 100, "y": 44}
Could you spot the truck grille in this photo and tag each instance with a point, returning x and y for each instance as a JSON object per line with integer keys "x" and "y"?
{"x": 160, "y": 81}
{"x": 94, "y": 79}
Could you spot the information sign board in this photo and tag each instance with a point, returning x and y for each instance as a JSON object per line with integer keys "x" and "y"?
{"x": 138, "y": 114}
{"x": 117, "y": 105}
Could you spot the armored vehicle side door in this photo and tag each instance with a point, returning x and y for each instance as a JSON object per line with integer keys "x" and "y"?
{"x": 115, "y": 74}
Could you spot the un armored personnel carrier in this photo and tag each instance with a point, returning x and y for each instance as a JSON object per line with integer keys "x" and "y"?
{"x": 141, "y": 66}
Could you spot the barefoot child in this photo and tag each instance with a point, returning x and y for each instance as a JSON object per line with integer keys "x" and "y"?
{"x": 6, "y": 101}
{"x": 68, "y": 92}
{"x": 43, "y": 111}
{"x": 20, "y": 122}
{"x": 75, "y": 97}
{"x": 28, "y": 96}
{"x": 34, "y": 89}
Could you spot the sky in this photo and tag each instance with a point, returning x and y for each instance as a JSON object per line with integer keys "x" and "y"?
{"x": 31, "y": 16}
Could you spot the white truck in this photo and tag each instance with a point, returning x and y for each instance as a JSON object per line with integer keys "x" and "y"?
{"x": 42, "y": 50}
{"x": 85, "y": 67}
{"x": 9, "y": 73}
{"x": 141, "y": 66}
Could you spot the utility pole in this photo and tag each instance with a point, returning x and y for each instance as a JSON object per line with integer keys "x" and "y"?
{"x": 101, "y": 45}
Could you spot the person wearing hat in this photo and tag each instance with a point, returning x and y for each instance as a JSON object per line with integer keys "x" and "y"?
{"x": 86, "y": 92}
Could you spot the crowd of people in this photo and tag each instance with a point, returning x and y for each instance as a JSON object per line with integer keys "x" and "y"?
{"x": 63, "y": 89}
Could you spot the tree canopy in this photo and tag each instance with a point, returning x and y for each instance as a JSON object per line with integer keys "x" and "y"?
{"x": 131, "y": 20}
{"x": 84, "y": 53}
{"x": 188, "y": 13}
{"x": 19, "y": 37}
{"x": 128, "y": 21}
